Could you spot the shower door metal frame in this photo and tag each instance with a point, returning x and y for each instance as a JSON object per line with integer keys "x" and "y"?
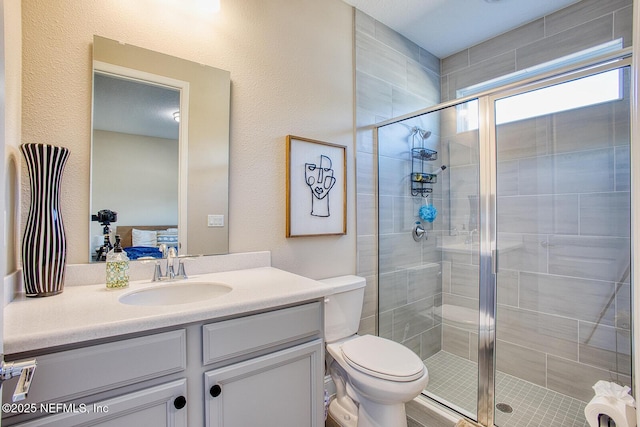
{"x": 489, "y": 256}
{"x": 487, "y": 286}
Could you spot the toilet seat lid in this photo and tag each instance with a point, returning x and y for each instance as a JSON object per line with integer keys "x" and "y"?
{"x": 382, "y": 358}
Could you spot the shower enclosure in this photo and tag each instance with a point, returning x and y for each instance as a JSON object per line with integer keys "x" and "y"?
{"x": 517, "y": 295}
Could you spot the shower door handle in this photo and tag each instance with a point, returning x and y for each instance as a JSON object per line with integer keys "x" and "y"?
{"x": 494, "y": 261}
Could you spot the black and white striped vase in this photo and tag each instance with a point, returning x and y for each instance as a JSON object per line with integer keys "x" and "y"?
{"x": 44, "y": 244}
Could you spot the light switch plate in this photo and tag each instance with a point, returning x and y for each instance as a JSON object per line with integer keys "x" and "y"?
{"x": 215, "y": 220}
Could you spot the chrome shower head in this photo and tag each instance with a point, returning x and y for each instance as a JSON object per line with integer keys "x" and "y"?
{"x": 424, "y": 133}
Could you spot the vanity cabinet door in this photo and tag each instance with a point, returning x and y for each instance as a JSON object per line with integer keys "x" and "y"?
{"x": 283, "y": 389}
{"x": 163, "y": 405}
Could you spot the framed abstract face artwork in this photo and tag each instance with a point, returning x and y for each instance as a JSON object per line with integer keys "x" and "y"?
{"x": 316, "y": 188}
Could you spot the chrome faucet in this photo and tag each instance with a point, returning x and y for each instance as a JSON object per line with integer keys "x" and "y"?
{"x": 170, "y": 255}
{"x": 469, "y": 240}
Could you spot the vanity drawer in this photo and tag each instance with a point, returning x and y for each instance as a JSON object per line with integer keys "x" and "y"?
{"x": 236, "y": 337}
{"x": 66, "y": 375}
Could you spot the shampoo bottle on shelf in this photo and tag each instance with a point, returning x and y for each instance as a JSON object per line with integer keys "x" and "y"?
{"x": 117, "y": 267}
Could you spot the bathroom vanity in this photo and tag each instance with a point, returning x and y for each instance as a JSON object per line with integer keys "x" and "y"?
{"x": 253, "y": 356}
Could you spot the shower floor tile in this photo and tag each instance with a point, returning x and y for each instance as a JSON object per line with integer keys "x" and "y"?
{"x": 453, "y": 381}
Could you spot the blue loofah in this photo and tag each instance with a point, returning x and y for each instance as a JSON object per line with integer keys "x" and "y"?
{"x": 428, "y": 213}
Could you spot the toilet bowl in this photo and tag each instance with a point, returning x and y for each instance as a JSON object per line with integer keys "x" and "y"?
{"x": 374, "y": 376}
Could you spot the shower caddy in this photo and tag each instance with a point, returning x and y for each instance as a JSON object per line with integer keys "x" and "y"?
{"x": 419, "y": 178}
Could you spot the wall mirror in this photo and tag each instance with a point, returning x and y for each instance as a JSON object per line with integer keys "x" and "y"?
{"x": 160, "y": 152}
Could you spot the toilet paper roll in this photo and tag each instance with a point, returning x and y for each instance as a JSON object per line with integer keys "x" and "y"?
{"x": 623, "y": 414}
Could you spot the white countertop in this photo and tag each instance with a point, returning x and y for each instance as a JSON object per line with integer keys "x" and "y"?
{"x": 83, "y": 313}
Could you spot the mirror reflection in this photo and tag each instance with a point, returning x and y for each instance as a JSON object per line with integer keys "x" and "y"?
{"x": 135, "y": 165}
{"x": 159, "y": 172}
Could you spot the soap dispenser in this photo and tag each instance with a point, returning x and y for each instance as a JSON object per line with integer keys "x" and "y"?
{"x": 117, "y": 267}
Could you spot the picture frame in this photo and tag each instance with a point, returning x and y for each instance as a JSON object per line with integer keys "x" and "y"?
{"x": 316, "y": 188}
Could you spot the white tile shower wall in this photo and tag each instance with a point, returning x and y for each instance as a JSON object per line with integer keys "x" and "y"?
{"x": 394, "y": 76}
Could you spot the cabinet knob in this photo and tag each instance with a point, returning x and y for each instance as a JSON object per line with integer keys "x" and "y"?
{"x": 215, "y": 390}
{"x": 180, "y": 402}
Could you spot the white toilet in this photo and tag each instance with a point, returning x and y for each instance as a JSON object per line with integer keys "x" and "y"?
{"x": 374, "y": 376}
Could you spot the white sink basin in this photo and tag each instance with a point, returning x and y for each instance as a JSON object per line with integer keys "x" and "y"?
{"x": 175, "y": 293}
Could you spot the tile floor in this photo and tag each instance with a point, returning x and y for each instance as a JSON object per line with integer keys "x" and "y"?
{"x": 453, "y": 381}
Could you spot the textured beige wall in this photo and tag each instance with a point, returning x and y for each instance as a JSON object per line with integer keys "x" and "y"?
{"x": 291, "y": 71}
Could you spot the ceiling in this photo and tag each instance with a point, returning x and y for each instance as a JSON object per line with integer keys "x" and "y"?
{"x": 444, "y": 27}
{"x": 133, "y": 107}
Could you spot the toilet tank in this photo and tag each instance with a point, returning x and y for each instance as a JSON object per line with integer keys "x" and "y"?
{"x": 342, "y": 309}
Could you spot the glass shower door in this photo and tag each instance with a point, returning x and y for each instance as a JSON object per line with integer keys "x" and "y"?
{"x": 563, "y": 247}
{"x": 428, "y": 284}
